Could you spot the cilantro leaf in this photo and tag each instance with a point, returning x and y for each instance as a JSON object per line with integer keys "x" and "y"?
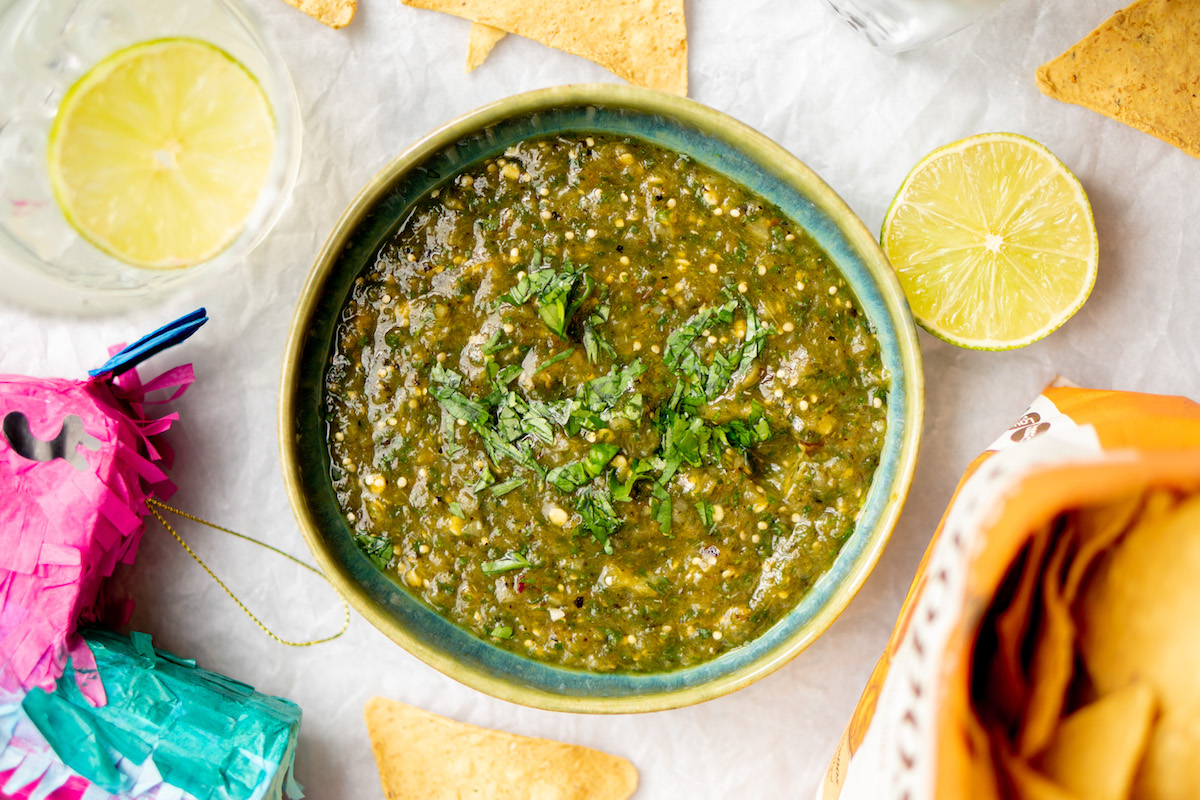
{"x": 486, "y": 479}
{"x": 445, "y": 376}
{"x": 554, "y": 360}
{"x": 684, "y": 439}
{"x": 569, "y": 477}
{"x": 458, "y": 404}
{"x": 597, "y": 515}
{"x": 535, "y": 425}
{"x": 449, "y": 444}
{"x": 501, "y": 489}
{"x": 504, "y": 376}
{"x": 378, "y": 549}
{"x": 705, "y": 382}
{"x": 498, "y": 447}
{"x": 509, "y": 562}
{"x": 638, "y": 469}
{"x": 593, "y": 343}
{"x": 558, "y": 294}
{"x": 494, "y": 343}
{"x": 604, "y": 393}
{"x": 660, "y": 507}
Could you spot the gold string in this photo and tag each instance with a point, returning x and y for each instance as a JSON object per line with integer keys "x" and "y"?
{"x": 152, "y": 503}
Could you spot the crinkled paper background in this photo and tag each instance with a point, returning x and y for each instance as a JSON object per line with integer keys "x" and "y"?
{"x": 859, "y": 118}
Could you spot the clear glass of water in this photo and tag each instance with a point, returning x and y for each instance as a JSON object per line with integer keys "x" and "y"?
{"x": 897, "y": 25}
{"x": 45, "y": 47}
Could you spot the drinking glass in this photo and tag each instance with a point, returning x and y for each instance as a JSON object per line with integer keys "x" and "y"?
{"x": 897, "y": 25}
{"x": 45, "y": 47}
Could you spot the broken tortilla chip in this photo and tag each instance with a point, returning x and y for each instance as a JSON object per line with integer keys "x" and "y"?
{"x": 1053, "y": 655}
{"x": 1026, "y": 783}
{"x": 1096, "y": 750}
{"x": 1009, "y": 680}
{"x": 643, "y": 41}
{"x": 334, "y": 13}
{"x": 1098, "y": 527}
{"x": 483, "y": 39}
{"x": 422, "y": 756}
{"x": 1135, "y": 624}
{"x": 1141, "y": 67}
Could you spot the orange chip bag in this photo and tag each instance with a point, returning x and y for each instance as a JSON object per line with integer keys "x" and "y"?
{"x": 1013, "y": 668}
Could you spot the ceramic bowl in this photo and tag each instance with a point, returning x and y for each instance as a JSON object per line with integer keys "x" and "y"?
{"x": 713, "y": 139}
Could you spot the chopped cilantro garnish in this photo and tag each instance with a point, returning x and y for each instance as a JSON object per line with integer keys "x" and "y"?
{"x": 555, "y": 359}
{"x": 458, "y": 404}
{"x": 638, "y": 469}
{"x": 684, "y": 439}
{"x": 603, "y": 393}
{"x": 507, "y": 486}
{"x": 450, "y": 446}
{"x": 495, "y": 342}
{"x": 511, "y": 561}
{"x": 504, "y": 376}
{"x": 445, "y": 376}
{"x": 569, "y": 477}
{"x": 556, "y": 304}
{"x": 704, "y": 382}
{"x": 593, "y": 343}
{"x": 457, "y": 510}
{"x": 486, "y": 479}
{"x": 705, "y": 509}
{"x": 597, "y": 515}
{"x": 377, "y": 548}
{"x": 660, "y": 508}
{"x": 502, "y": 632}
{"x": 558, "y": 294}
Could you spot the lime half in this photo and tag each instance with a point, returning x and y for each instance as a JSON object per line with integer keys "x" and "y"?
{"x": 993, "y": 241}
{"x": 159, "y": 152}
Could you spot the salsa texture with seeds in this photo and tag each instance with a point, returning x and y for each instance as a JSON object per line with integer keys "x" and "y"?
{"x": 601, "y": 406}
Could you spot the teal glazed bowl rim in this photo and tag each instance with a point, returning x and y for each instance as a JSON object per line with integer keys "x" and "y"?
{"x": 713, "y": 139}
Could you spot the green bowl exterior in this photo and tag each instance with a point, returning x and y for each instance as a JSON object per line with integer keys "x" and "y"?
{"x": 713, "y": 139}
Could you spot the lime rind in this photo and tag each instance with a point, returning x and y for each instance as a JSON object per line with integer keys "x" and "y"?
{"x": 1024, "y": 290}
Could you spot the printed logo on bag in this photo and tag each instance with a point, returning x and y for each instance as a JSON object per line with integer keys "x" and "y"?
{"x": 1028, "y": 427}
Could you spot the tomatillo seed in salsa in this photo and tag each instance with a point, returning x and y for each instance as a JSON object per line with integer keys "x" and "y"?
{"x": 603, "y": 407}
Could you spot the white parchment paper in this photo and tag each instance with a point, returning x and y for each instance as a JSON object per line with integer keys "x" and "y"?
{"x": 858, "y": 117}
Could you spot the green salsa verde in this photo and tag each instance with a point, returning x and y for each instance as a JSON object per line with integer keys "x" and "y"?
{"x": 601, "y": 406}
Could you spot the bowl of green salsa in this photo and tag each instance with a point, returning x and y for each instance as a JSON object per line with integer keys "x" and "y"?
{"x": 598, "y": 400}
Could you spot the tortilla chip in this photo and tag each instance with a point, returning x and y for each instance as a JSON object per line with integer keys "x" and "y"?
{"x": 422, "y": 756}
{"x": 334, "y": 13}
{"x": 483, "y": 39}
{"x": 1053, "y": 663}
{"x": 1098, "y": 527}
{"x": 1008, "y": 683}
{"x": 643, "y": 41}
{"x": 1141, "y": 67}
{"x": 1137, "y": 622}
{"x": 1026, "y": 783}
{"x": 1096, "y": 750}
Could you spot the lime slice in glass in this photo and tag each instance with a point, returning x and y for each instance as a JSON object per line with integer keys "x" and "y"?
{"x": 159, "y": 152}
{"x": 993, "y": 241}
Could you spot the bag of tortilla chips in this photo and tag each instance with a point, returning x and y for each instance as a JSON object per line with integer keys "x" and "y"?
{"x": 1046, "y": 647}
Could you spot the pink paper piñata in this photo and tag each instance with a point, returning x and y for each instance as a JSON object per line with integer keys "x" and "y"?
{"x": 78, "y": 459}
